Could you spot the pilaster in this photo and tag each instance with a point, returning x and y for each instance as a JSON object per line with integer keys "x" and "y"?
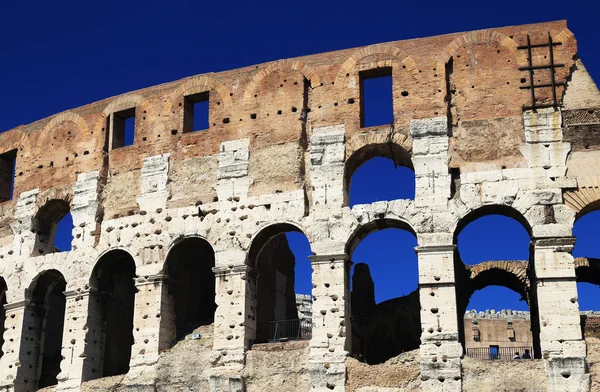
{"x": 440, "y": 346}
{"x": 74, "y": 350}
{"x": 235, "y": 321}
{"x": 331, "y": 329}
{"x": 563, "y": 347}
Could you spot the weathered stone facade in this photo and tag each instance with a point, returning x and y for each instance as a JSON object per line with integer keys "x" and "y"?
{"x": 283, "y": 142}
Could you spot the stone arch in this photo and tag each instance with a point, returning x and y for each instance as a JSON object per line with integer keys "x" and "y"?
{"x": 40, "y": 355}
{"x": 189, "y": 286}
{"x": 199, "y": 84}
{"x": 363, "y": 148}
{"x": 587, "y": 270}
{"x": 296, "y": 65}
{"x": 513, "y": 275}
{"x": 584, "y": 199}
{"x": 45, "y": 222}
{"x": 382, "y": 330}
{"x": 380, "y": 223}
{"x": 491, "y": 209}
{"x": 121, "y": 103}
{"x": 272, "y": 282}
{"x": 477, "y": 37}
{"x": 49, "y": 132}
{"x": 67, "y": 117}
{"x": 510, "y": 274}
{"x": 563, "y": 36}
{"x": 110, "y": 315}
{"x": 398, "y": 54}
{"x": 266, "y": 232}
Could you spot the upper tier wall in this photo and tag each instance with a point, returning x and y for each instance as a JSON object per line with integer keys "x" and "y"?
{"x": 472, "y": 77}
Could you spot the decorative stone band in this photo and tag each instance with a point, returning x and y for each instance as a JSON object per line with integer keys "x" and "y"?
{"x": 562, "y": 244}
{"x": 323, "y": 259}
{"x": 17, "y": 305}
{"x": 79, "y": 293}
{"x": 150, "y": 280}
{"x": 232, "y": 270}
{"x": 435, "y": 248}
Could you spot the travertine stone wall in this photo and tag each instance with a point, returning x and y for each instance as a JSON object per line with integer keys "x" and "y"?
{"x": 283, "y": 141}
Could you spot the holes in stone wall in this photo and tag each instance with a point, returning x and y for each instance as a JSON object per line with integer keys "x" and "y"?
{"x": 196, "y": 112}
{"x": 376, "y": 98}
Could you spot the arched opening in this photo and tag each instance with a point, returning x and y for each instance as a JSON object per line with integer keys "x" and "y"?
{"x": 279, "y": 257}
{"x": 379, "y": 172}
{"x": 385, "y": 304}
{"x": 110, "y": 316}
{"x": 44, "y": 326}
{"x": 53, "y": 226}
{"x": 190, "y": 285}
{"x": 587, "y": 269}
{"x": 492, "y": 264}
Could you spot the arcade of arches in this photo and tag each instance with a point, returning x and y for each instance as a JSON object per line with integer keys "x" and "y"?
{"x": 183, "y": 229}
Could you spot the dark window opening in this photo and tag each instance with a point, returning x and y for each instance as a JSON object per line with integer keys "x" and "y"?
{"x": 195, "y": 115}
{"x": 44, "y": 322}
{"x": 123, "y": 130}
{"x": 110, "y": 316}
{"x": 7, "y": 175}
{"x": 191, "y": 287}
{"x": 376, "y": 97}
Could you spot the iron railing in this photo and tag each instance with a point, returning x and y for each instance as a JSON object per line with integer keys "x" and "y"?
{"x": 282, "y": 331}
{"x": 495, "y": 352}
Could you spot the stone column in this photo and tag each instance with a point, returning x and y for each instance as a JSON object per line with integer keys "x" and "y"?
{"x": 440, "y": 346}
{"x": 18, "y": 315}
{"x": 563, "y": 347}
{"x": 331, "y": 333}
{"x": 235, "y": 322}
{"x": 93, "y": 354}
{"x": 146, "y": 331}
{"x": 74, "y": 350}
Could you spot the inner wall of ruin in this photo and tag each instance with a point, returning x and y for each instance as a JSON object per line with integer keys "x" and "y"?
{"x": 163, "y": 223}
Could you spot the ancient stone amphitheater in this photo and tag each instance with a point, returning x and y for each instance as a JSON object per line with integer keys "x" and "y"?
{"x": 169, "y": 230}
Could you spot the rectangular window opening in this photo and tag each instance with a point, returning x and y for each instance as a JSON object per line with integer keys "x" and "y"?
{"x": 8, "y": 163}
{"x": 376, "y": 97}
{"x": 195, "y": 117}
{"x": 123, "y": 130}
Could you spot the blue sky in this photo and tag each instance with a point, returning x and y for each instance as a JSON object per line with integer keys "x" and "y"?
{"x": 64, "y": 54}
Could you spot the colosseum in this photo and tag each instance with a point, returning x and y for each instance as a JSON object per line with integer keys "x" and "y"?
{"x": 177, "y": 258}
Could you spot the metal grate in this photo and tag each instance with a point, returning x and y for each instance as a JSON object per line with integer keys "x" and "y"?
{"x": 495, "y": 352}
{"x": 281, "y": 331}
{"x": 551, "y": 66}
